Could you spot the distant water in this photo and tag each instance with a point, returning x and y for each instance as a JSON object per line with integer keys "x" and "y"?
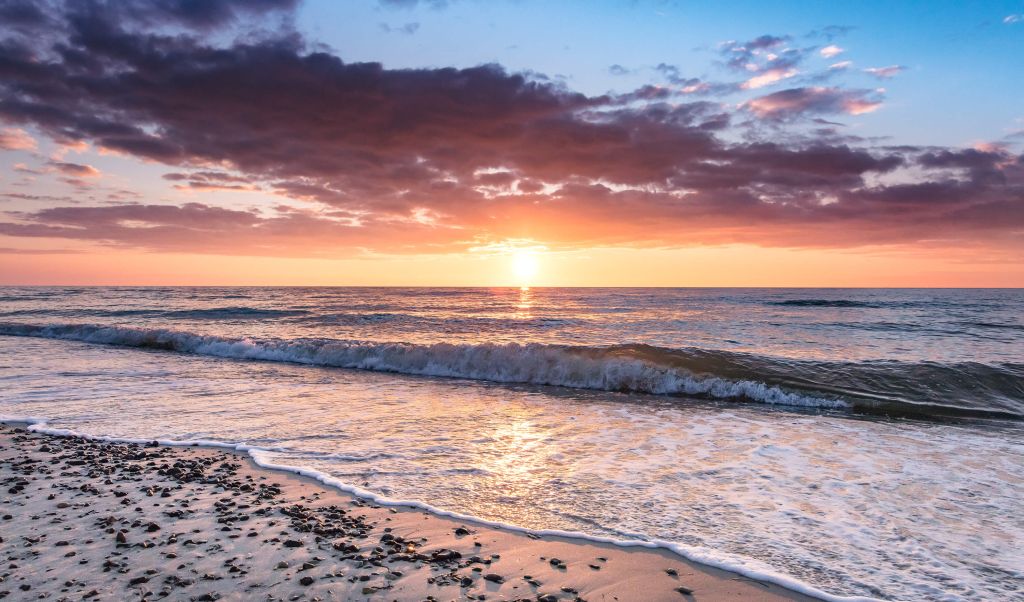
{"x": 852, "y": 442}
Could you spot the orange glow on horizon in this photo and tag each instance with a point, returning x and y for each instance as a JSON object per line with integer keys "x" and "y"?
{"x": 734, "y": 265}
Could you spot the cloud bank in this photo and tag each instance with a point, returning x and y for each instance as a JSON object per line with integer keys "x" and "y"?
{"x": 438, "y": 160}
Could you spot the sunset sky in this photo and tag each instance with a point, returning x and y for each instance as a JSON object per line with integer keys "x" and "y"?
{"x": 463, "y": 142}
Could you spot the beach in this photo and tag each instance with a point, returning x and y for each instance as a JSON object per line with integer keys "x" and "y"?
{"x": 86, "y": 519}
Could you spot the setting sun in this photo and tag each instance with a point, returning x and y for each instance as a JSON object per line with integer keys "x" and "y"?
{"x": 524, "y": 266}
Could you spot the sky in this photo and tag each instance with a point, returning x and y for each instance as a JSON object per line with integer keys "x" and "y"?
{"x": 511, "y": 143}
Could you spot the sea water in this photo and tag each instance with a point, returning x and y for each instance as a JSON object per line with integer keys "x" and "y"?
{"x": 842, "y": 442}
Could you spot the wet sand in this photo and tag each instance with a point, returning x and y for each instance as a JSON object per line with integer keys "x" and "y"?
{"x": 90, "y": 520}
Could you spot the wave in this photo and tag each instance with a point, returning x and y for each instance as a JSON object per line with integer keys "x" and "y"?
{"x": 437, "y": 323}
{"x": 209, "y": 313}
{"x": 998, "y": 325}
{"x": 218, "y": 313}
{"x": 824, "y": 303}
{"x": 925, "y": 389}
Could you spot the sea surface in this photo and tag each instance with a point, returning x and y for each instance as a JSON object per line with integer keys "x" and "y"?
{"x": 848, "y": 443}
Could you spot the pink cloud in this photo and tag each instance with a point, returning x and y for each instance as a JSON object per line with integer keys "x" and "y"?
{"x": 793, "y": 102}
{"x": 767, "y": 78}
{"x": 16, "y": 139}
{"x": 830, "y": 51}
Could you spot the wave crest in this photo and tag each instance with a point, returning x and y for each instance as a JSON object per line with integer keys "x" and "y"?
{"x": 921, "y": 389}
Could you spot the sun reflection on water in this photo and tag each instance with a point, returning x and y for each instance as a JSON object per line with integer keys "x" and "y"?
{"x": 524, "y": 305}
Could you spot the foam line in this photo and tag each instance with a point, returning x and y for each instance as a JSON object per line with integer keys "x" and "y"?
{"x": 694, "y": 554}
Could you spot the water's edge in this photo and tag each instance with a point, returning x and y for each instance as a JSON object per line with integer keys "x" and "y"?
{"x": 697, "y": 555}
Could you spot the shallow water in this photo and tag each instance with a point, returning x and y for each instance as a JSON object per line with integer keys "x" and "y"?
{"x": 845, "y": 503}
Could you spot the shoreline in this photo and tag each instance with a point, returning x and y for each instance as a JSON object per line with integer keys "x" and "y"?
{"x": 403, "y": 552}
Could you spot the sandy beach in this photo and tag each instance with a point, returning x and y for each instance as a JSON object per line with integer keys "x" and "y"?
{"x": 93, "y": 520}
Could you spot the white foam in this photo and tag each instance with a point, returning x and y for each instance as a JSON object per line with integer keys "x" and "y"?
{"x": 747, "y": 568}
{"x": 604, "y": 369}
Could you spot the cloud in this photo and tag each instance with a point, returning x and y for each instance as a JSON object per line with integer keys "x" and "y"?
{"x": 200, "y": 227}
{"x": 619, "y": 70}
{"x": 23, "y": 168}
{"x": 407, "y": 29}
{"x": 438, "y": 159}
{"x": 409, "y": 4}
{"x": 763, "y": 61}
{"x": 767, "y": 60}
{"x": 830, "y": 32}
{"x": 211, "y": 180}
{"x": 16, "y": 139}
{"x": 23, "y": 13}
{"x": 1011, "y": 19}
{"x": 199, "y": 15}
{"x": 75, "y": 169}
{"x": 794, "y": 102}
{"x": 768, "y": 77}
{"x": 763, "y": 53}
{"x": 885, "y": 72}
{"x": 694, "y": 85}
{"x": 11, "y": 251}
{"x": 830, "y": 51}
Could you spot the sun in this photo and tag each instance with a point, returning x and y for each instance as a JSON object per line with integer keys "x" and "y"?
{"x": 524, "y": 266}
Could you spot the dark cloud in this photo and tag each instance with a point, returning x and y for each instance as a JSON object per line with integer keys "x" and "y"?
{"x": 982, "y": 166}
{"x": 196, "y": 14}
{"x": 420, "y": 160}
{"x": 23, "y": 13}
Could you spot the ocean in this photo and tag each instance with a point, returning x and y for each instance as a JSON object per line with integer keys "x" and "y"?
{"x": 847, "y": 443}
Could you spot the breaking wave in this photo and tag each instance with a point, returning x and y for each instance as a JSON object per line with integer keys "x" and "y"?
{"x": 925, "y": 389}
